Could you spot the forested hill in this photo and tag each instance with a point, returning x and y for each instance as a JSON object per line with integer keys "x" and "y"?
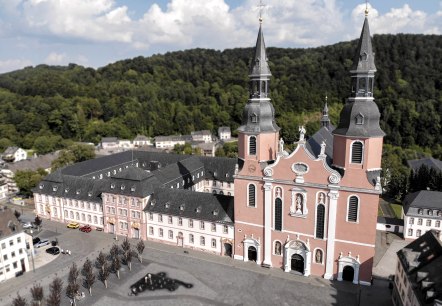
{"x": 202, "y": 89}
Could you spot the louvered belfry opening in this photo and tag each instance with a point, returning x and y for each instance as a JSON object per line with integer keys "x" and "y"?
{"x": 353, "y": 209}
{"x": 252, "y": 195}
{"x": 320, "y": 215}
{"x": 252, "y": 145}
{"x": 356, "y": 155}
{"x": 278, "y": 214}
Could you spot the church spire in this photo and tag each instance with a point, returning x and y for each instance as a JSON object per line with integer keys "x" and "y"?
{"x": 260, "y": 66}
{"x": 364, "y": 57}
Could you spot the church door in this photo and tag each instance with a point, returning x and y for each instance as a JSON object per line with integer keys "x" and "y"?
{"x": 298, "y": 263}
{"x": 228, "y": 249}
{"x": 348, "y": 273}
{"x": 252, "y": 253}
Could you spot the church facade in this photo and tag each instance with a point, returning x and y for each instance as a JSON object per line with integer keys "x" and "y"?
{"x": 311, "y": 211}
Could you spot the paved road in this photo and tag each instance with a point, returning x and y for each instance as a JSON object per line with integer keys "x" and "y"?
{"x": 217, "y": 280}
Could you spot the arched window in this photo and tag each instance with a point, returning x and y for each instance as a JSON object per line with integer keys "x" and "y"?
{"x": 252, "y": 195}
{"x": 356, "y": 152}
{"x": 320, "y": 215}
{"x": 278, "y": 214}
{"x": 278, "y": 248}
{"x": 252, "y": 145}
{"x": 353, "y": 207}
{"x": 319, "y": 255}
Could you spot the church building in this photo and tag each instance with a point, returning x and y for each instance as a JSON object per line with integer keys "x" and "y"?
{"x": 311, "y": 211}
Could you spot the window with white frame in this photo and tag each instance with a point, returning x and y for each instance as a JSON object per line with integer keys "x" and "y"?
{"x": 411, "y": 221}
{"x": 170, "y": 234}
{"x": 150, "y": 230}
{"x": 213, "y": 227}
{"x": 191, "y": 238}
{"x": 353, "y": 209}
{"x": 170, "y": 219}
{"x": 160, "y": 218}
{"x": 357, "y": 149}
{"x": 277, "y": 250}
{"x": 150, "y": 216}
{"x": 418, "y": 233}
{"x": 190, "y": 223}
{"x": 180, "y": 221}
{"x": 95, "y": 219}
{"x": 320, "y": 221}
{"x": 437, "y": 224}
{"x": 410, "y": 232}
{"x": 202, "y": 241}
{"x": 225, "y": 229}
{"x": 251, "y": 195}
{"x": 213, "y": 243}
{"x": 419, "y": 221}
{"x": 428, "y": 222}
{"x": 252, "y": 145}
{"x": 160, "y": 233}
{"x": 202, "y": 226}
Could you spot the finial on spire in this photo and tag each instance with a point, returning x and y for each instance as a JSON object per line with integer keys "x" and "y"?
{"x": 366, "y": 8}
{"x": 261, "y": 7}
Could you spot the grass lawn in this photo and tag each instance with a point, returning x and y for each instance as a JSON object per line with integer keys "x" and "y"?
{"x": 397, "y": 210}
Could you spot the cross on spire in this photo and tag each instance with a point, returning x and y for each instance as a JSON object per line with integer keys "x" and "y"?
{"x": 261, "y": 7}
{"x": 366, "y": 7}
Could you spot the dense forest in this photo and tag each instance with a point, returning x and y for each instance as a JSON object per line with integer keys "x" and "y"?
{"x": 178, "y": 92}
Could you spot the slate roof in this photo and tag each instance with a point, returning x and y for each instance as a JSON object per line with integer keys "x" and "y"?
{"x": 391, "y": 221}
{"x": 194, "y": 205}
{"x": 224, "y": 129}
{"x": 422, "y": 262}
{"x": 203, "y": 132}
{"x": 219, "y": 168}
{"x": 364, "y": 49}
{"x": 430, "y": 162}
{"x": 109, "y": 139}
{"x": 173, "y": 138}
{"x": 141, "y": 138}
{"x": 314, "y": 142}
{"x": 424, "y": 200}
{"x": 10, "y": 150}
{"x": 43, "y": 161}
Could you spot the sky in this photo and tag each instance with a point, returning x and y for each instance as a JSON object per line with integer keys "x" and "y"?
{"x": 94, "y": 33}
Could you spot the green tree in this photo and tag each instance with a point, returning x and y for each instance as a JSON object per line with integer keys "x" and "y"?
{"x": 26, "y": 180}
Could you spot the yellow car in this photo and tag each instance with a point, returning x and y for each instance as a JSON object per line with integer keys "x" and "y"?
{"x": 73, "y": 225}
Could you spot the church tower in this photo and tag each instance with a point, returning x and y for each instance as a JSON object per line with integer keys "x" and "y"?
{"x": 358, "y": 139}
{"x": 258, "y": 135}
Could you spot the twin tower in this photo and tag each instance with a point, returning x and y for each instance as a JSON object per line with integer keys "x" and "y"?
{"x": 309, "y": 211}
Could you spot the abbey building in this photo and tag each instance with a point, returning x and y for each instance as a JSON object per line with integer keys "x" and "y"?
{"x": 311, "y": 211}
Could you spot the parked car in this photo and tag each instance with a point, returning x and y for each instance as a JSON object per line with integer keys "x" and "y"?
{"x": 100, "y": 229}
{"x": 73, "y": 225}
{"x": 42, "y": 243}
{"x": 53, "y": 250}
{"x": 35, "y": 240}
{"x": 27, "y": 225}
{"x": 86, "y": 228}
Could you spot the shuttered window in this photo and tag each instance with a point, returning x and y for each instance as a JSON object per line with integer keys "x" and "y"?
{"x": 252, "y": 145}
{"x": 353, "y": 209}
{"x": 278, "y": 214}
{"x": 356, "y": 153}
{"x": 320, "y": 214}
{"x": 252, "y": 202}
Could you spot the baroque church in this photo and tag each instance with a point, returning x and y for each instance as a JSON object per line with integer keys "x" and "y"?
{"x": 312, "y": 211}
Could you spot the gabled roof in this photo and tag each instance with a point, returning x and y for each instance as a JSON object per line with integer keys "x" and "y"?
{"x": 430, "y": 162}
{"x": 109, "y": 139}
{"x": 219, "y": 168}
{"x": 314, "y": 143}
{"x": 141, "y": 138}
{"x": 11, "y": 150}
{"x": 194, "y": 205}
{"x": 43, "y": 161}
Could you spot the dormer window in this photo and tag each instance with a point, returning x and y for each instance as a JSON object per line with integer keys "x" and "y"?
{"x": 66, "y": 190}
{"x": 182, "y": 207}
{"x": 215, "y": 212}
{"x": 123, "y": 187}
{"x": 254, "y": 118}
{"x": 54, "y": 188}
{"x": 77, "y": 191}
{"x": 359, "y": 119}
{"x": 41, "y": 186}
{"x": 132, "y": 188}
{"x": 198, "y": 209}
{"x": 430, "y": 212}
{"x": 153, "y": 202}
{"x": 167, "y": 204}
{"x": 89, "y": 193}
{"x": 420, "y": 211}
{"x": 364, "y": 56}
{"x": 112, "y": 186}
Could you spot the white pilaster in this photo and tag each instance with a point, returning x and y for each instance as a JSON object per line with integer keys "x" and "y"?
{"x": 267, "y": 224}
{"x": 331, "y": 234}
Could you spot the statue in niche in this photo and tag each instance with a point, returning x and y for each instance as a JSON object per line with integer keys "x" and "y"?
{"x": 281, "y": 145}
{"x": 278, "y": 192}
{"x": 321, "y": 198}
{"x": 318, "y": 256}
{"x": 299, "y": 203}
{"x": 277, "y": 248}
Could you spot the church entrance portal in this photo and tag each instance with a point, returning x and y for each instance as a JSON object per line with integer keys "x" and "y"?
{"x": 252, "y": 253}
{"x": 228, "y": 249}
{"x": 297, "y": 263}
{"x": 348, "y": 273}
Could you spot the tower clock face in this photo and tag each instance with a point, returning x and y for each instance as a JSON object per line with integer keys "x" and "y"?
{"x": 252, "y": 168}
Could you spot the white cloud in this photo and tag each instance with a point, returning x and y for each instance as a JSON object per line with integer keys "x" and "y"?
{"x": 55, "y": 58}
{"x": 13, "y": 64}
{"x": 399, "y": 20}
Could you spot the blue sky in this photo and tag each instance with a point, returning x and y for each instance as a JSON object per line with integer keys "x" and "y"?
{"x": 97, "y": 32}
